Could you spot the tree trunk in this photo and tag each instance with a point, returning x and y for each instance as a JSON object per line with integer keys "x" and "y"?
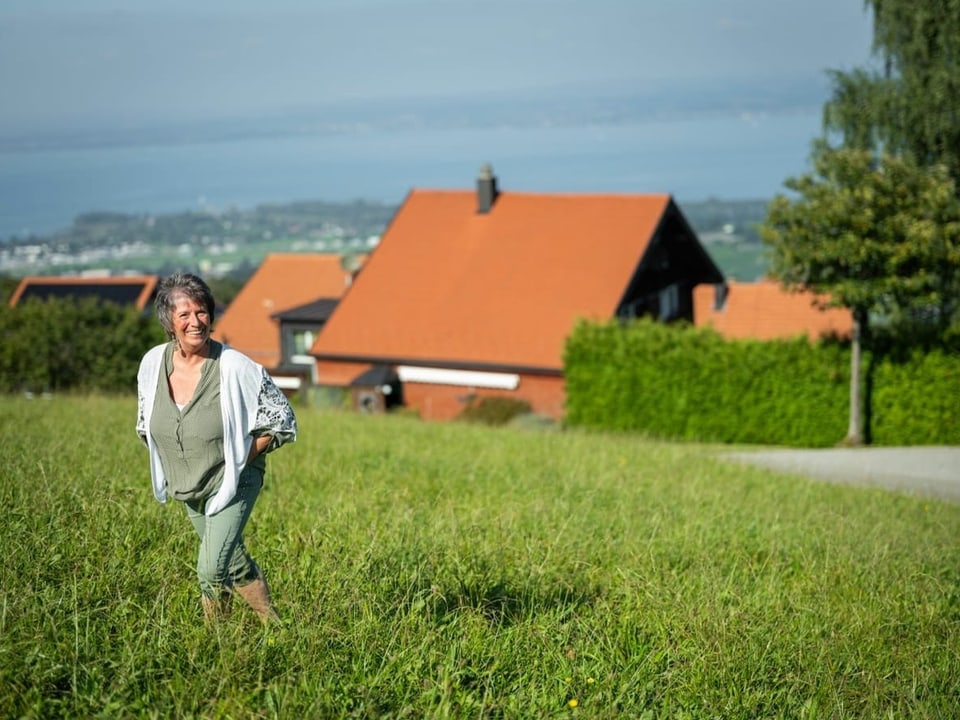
{"x": 855, "y": 428}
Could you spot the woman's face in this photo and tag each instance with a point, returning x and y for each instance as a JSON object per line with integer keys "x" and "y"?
{"x": 191, "y": 324}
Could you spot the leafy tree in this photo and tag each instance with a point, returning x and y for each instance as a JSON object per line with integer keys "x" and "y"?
{"x": 909, "y": 104}
{"x": 8, "y": 285}
{"x": 226, "y": 288}
{"x": 60, "y": 344}
{"x": 876, "y": 225}
{"x": 872, "y": 235}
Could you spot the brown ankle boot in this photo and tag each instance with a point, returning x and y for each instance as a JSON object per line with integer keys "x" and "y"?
{"x": 257, "y": 596}
{"x": 215, "y": 610}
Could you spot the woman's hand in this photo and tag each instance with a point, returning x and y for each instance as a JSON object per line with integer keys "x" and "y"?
{"x": 259, "y": 446}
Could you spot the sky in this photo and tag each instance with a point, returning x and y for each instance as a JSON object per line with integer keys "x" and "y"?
{"x": 130, "y": 63}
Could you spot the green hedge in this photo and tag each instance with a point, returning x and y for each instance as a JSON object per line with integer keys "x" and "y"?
{"x": 687, "y": 383}
{"x": 916, "y": 400}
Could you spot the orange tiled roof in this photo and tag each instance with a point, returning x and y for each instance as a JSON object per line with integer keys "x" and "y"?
{"x": 764, "y": 311}
{"x": 283, "y": 281}
{"x": 504, "y": 288}
{"x": 137, "y": 289}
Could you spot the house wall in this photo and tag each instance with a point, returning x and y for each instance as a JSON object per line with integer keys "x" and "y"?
{"x": 444, "y": 402}
{"x": 432, "y": 401}
{"x": 765, "y": 311}
{"x": 339, "y": 374}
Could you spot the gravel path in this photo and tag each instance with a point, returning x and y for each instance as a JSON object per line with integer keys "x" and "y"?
{"x": 927, "y": 470}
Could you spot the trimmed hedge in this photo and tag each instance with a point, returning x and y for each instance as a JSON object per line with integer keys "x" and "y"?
{"x": 687, "y": 383}
{"x": 916, "y": 400}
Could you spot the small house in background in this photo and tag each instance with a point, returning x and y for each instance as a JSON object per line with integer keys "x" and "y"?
{"x": 763, "y": 310}
{"x": 136, "y": 290}
{"x": 472, "y": 294}
{"x": 280, "y": 310}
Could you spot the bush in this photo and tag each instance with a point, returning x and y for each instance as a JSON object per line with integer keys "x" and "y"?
{"x": 495, "y": 410}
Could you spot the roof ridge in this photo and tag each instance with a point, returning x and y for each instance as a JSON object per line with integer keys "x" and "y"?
{"x": 546, "y": 194}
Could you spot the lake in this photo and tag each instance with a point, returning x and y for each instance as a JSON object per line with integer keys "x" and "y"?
{"x": 727, "y": 157}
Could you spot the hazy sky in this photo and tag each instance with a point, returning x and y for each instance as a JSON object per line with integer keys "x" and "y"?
{"x": 132, "y": 62}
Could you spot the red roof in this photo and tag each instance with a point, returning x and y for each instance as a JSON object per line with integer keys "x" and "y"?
{"x": 764, "y": 311}
{"x": 448, "y": 283}
{"x": 283, "y": 281}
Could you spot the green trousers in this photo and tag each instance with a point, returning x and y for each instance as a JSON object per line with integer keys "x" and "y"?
{"x": 223, "y": 561}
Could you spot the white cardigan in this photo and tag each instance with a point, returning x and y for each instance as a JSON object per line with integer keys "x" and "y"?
{"x": 250, "y": 403}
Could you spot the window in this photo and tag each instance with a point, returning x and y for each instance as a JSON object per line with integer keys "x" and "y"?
{"x": 302, "y": 342}
{"x": 669, "y": 302}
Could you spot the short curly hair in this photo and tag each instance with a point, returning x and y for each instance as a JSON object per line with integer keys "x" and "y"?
{"x": 181, "y": 284}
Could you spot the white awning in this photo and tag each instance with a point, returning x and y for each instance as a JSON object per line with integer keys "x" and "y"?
{"x": 287, "y": 383}
{"x": 463, "y": 378}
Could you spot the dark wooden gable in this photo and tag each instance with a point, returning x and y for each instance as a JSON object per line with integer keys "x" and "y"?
{"x": 674, "y": 263}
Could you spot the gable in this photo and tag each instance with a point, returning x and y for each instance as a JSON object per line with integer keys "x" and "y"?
{"x": 282, "y": 282}
{"x": 449, "y": 285}
{"x": 136, "y": 290}
{"x": 674, "y": 263}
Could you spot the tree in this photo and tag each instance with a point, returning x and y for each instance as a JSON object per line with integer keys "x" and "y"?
{"x": 876, "y": 225}
{"x": 874, "y": 235}
{"x": 8, "y": 285}
{"x": 61, "y": 344}
{"x": 910, "y": 104}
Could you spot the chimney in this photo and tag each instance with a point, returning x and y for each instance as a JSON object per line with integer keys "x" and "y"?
{"x": 486, "y": 189}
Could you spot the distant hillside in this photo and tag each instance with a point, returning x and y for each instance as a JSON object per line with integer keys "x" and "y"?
{"x": 727, "y": 217}
{"x": 230, "y": 244}
{"x": 729, "y": 231}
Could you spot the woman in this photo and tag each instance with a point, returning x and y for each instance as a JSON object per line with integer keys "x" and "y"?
{"x": 209, "y": 415}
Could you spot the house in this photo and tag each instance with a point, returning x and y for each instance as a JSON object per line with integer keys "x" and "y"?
{"x": 137, "y": 290}
{"x": 473, "y": 293}
{"x": 763, "y": 310}
{"x": 279, "y": 311}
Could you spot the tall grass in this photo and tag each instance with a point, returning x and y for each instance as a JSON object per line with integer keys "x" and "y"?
{"x": 443, "y": 570}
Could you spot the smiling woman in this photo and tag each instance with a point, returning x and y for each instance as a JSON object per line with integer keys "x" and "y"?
{"x": 209, "y": 415}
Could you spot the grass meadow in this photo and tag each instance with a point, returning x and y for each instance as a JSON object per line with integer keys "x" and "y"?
{"x": 453, "y": 571}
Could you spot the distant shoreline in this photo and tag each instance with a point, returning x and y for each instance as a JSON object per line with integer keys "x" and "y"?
{"x": 735, "y": 158}
{"x": 67, "y": 140}
{"x": 551, "y": 107}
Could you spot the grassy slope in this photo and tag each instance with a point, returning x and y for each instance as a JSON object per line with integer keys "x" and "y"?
{"x": 429, "y": 570}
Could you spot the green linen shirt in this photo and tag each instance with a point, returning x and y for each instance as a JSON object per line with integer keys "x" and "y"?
{"x": 190, "y": 439}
